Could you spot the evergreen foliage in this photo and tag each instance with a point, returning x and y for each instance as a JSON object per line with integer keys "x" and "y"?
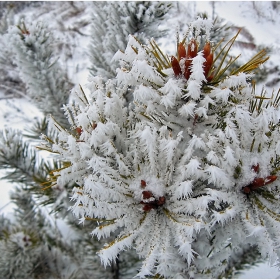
{"x": 47, "y": 85}
{"x": 187, "y": 174}
{"x": 179, "y": 182}
{"x": 9, "y": 78}
{"x": 112, "y": 22}
{"x": 33, "y": 247}
{"x": 33, "y": 51}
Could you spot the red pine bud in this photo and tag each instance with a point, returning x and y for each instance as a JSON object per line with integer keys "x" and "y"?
{"x": 94, "y": 126}
{"x": 176, "y": 66}
{"x": 79, "y": 130}
{"x": 161, "y": 200}
{"x": 257, "y": 183}
{"x": 192, "y": 48}
{"x": 147, "y": 194}
{"x": 181, "y": 51}
{"x": 147, "y": 207}
{"x": 210, "y": 78}
{"x": 246, "y": 190}
{"x": 143, "y": 184}
{"x": 208, "y": 64}
{"x": 256, "y": 168}
{"x": 270, "y": 179}
{"x": 206, "y": 49}
{"x": 187, "y": 71}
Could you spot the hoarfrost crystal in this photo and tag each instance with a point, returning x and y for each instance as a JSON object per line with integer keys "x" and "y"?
{"x": 186, "y": 173}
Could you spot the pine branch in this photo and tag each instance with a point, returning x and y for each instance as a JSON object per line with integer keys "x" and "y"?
{"x": 47, "y": 84}
{"x": 113, "y": 23}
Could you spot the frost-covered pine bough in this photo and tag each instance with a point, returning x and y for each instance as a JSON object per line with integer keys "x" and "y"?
{"x": 47, "y": 84}
{"x": 113, "y": 21}
{"x": 187, "y": 173}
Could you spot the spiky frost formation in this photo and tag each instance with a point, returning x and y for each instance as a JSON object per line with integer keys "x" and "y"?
{"x": 47, "y": 84}
{"x": 186, "y": 174}
{"x": 112, "y": 22}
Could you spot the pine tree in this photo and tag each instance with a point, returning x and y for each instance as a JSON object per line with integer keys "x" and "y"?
{"x": 187, "y": 173}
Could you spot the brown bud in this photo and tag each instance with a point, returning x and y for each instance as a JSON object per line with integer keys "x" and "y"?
{"x": 256, "y": 168}
{"x": 187, "y": 71}
{"x": 181, "y": 51}
{"x": 94, "y": 126}
{"x": 206, "y": 49}
{"x": 246, "y": 190}
{"x": 257, "y": 183}
{"x": 210, "y": 78}
{"x": 270, "y": 179}
{"x": 192, "y": 48}
{"x": 143, "y": 184}
{"x": 208, "y": 64}
{"x": 147, "y": 207}
{"x": 176, "y": 66}
{"x": 147, "y": 194}
{"x": 79, "y": 130}
{"x": 161, "y": 200}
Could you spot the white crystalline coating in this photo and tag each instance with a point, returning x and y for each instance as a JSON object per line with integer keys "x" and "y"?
{"x": 229, "y": 156}
{"x": 21, "y": 240}
{"x": 171, "y": 92}
{"x": 142, "y": 70}
{"x": 206, "y": 101}
{"x": 197, "y": 68}
{"x": 201, "y": 112}
{"x": 192, "y": 168}
{"x": 222, "y": 94}
{"x": 184, "y": 189}
{"x": 236, "y": 80}
{"x": 187, "y": 109}
{"x": 213, "y": 158}
{"x": 193, "y": 89}
{"x": 188, "y": 147}
{"x": 202, "y": 24}
{"x": 144, "y": 94}
{"x": 218, "y": 177}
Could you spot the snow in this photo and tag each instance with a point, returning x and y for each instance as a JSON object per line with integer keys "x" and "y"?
{"x": 18, "y": 113}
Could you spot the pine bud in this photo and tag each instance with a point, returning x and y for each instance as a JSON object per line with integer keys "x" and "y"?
{"x": 192, "y": 48}
{"x": 270, "y": 179}
{"x": 208, "y": 64}
{"x": 79, "y": 130}
{"x": 187, "y": 71}
{"x": 143, "y": 184}
{"x": 147, "y": 194}
{"x": 161, "y": 200}
{"x": 181, "y": 51}
{"x": 206, "y": 49}
{"x": 246, "y": 190}
{"x": 176, "y": 66}
{"x": 256, "y": 168}
{"x": 257, "y": 183}
{"x": 210, "y": 78}
{"x": 147, "y": 207}
{"x": 94, "y": 126}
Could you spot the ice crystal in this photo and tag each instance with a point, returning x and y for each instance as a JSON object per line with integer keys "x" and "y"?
{"x": 167, "y": 173}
